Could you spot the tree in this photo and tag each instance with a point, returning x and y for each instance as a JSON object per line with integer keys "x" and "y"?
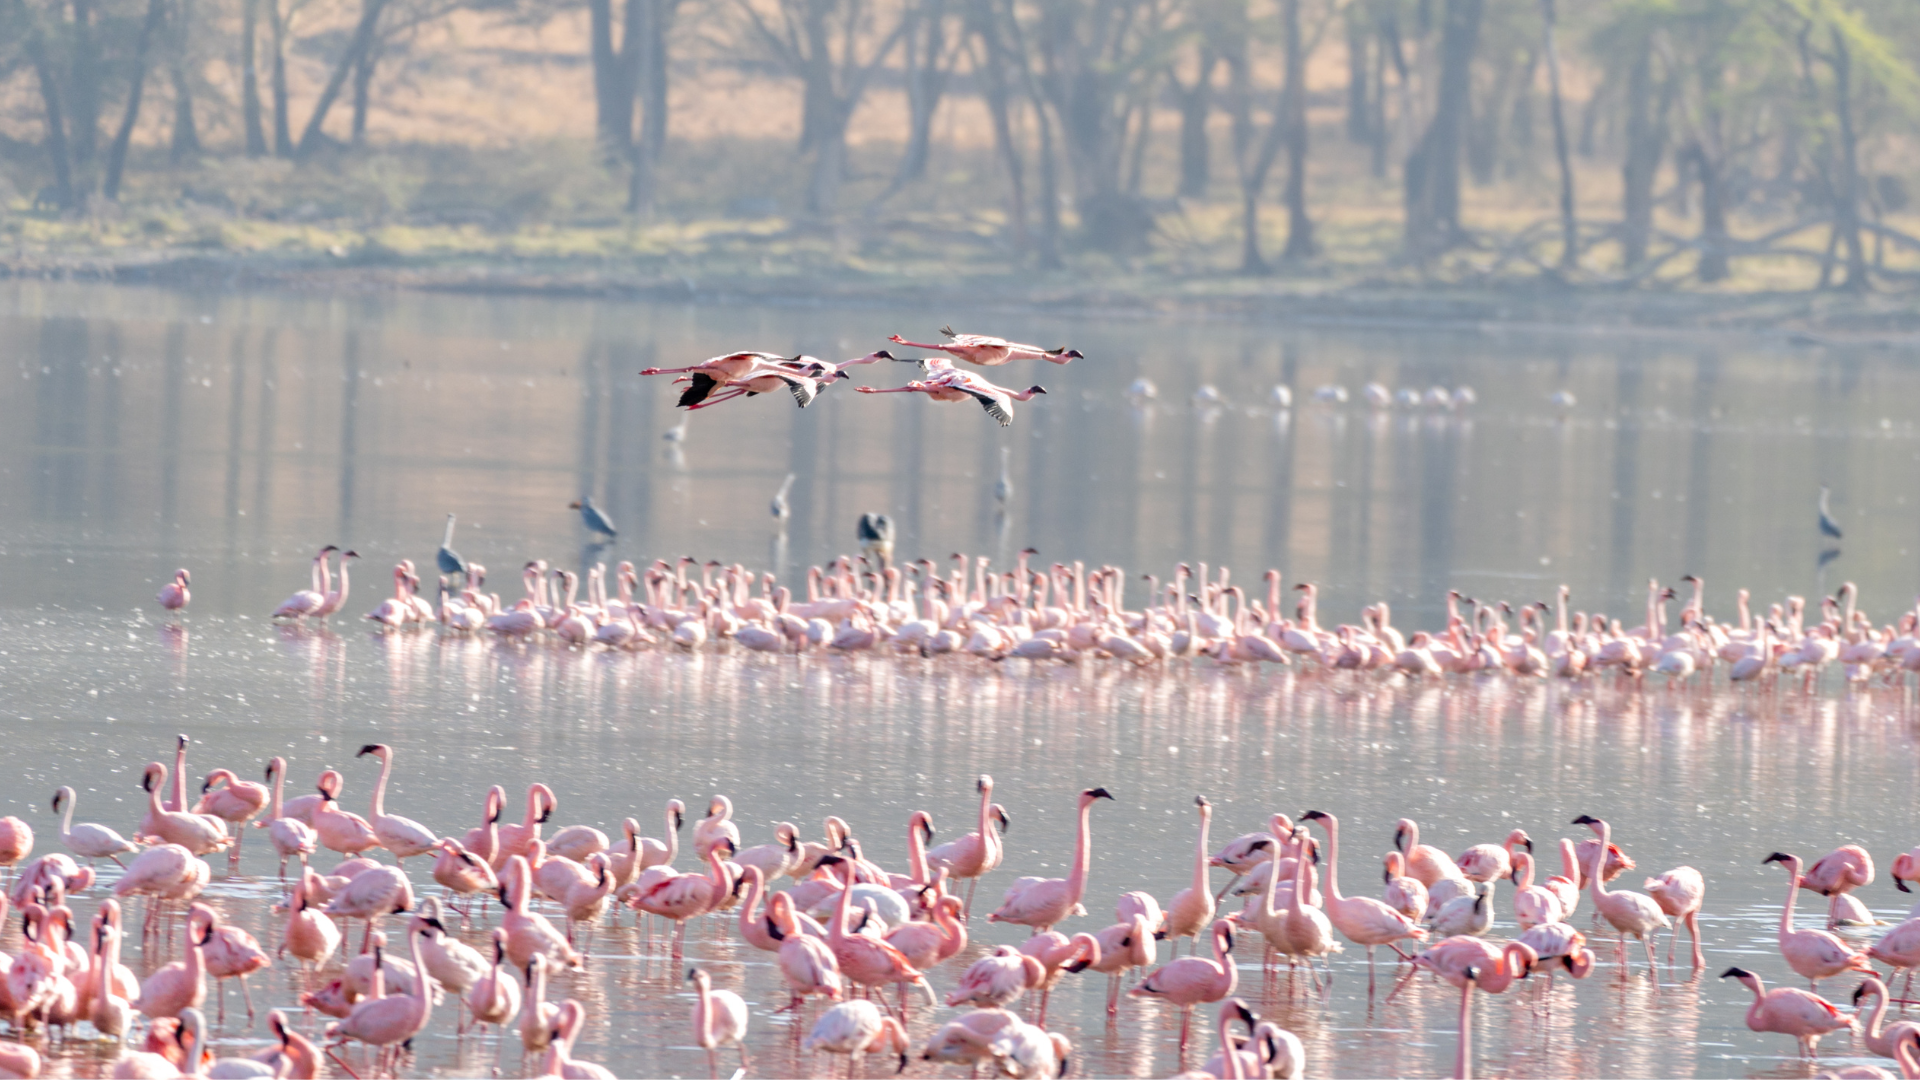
{"x": 927, "y": 64}
{"x": 117, "y": 151}
{"x": 1569, "y": 224}
{"x": 1432, "y": 186}
{"x": 820, "y": 42}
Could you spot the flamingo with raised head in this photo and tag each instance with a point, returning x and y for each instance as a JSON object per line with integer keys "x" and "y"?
{"x": 1042, "y": 902}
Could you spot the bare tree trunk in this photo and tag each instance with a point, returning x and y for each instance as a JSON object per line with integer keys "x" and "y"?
{"x": 282, "y": 122}
{"x": 83, "y": 118}
{"x": 1646, "y": 141}
{"x": 1569, "y": 224}
{"x": 186, "y": 133}
{"x": 652, "y": 78}
{"x": 1388, "y": 51}
{"x": 1359, "y": 67}
{"x": 1713, "y": 264}
{"x": 1293, "y": 114}
{"x": 57, "y": 152}
{"x": 1846, "y": 187}
{"x": 612, "y": 91}
{"x": 357, "y": 47}
{"x": 926, "y": 84}
{"x": 1196, "y": 104}
{"x": 1433, "y": 169}
{"x": 137, "y": 82}
{"x": 250, "y": 79}
{"x": 362, "y": 93}
{"x": 994, "y": 84}
{"x": 1049, "y": 253}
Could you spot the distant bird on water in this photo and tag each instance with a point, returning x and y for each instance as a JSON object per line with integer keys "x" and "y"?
{"x": 1828, "y": 526}
{"x": 448, "y": 559}
{"x": 596, "y": 521}
{"x": 781, "y": 511}
{"x": 174, "y": 595}
{"x": 1003, "y": 490}
{"x": 876, "y": 538}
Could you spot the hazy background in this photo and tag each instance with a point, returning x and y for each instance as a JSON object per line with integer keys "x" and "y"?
{"x": 1744, "y": 144}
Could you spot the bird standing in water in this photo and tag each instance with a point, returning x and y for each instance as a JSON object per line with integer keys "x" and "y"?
{"x": 1828, "y": 526}
{"x": 596, "y": 521}
{"x": 448, "y": 559}
{"x": 876, "y": 538}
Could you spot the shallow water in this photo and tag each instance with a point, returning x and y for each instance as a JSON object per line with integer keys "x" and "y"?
{"x": 140, "y": 437}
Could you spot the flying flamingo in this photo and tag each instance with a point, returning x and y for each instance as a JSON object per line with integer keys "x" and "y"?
{"x": 175, "y": 595}
{"x": 978, "y": 852}
{"x": 403, "y": 837}
{"x": 990, "y": 351}
{"x": 1364, "y": 920}
{"x": 1195, "y": 980}
{"x": 1042, "y": 902}
{"x": 956, "y": 385}
{"x": 1679, "y": 892}
{"x": 1791, "y": 1011}
{"x": 89, "y": 841}
{"x": 1191, "y": 909}
{"x": 855, "y": 1028}
{"x": 719, "y": 1017}
{"x": 1814, "y": 954}
{"x": 1629, "y": 912}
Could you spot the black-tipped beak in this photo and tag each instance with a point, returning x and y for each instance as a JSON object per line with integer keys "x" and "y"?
{"x": 1100, "y": 793}
{"x": 1585, "y": 820}
{"x": 1736, "y": 973}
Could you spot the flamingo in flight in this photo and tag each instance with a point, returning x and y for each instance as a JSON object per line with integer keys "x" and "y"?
{"x": 948, "y": 383}
{"x": 984, "y": 351}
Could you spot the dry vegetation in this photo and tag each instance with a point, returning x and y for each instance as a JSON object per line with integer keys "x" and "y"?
{"x": 1711, "y": 146}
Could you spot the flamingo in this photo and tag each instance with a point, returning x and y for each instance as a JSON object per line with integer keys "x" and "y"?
{"x": 197, "y": 833}
{"x": 528, "y": 932}
{"x": 1836, "y": 876}
{"x": 855, "y": 1028}
{"x": 403, "y": 837}
{"x": 988, "y": 351}
{"x": 680, "y": 897}
{"x": 517, "y": 839}
{"x": 232, "y": 953}
{"x": 968, "y": 857}
{"x": 1042, "y": 902}
{"x": 998, "y": 979}
{"x": 495, "y": 997}
{"x": 291, "y": 837}
{"x": 1680, "y": 892}
{"x": 538, "y": 1014}
{"x": 719, "y": 1018}
{"x": 560, "y": 1061}
{"x": 1629, "y": 912}
{"x": 865, "y": 960}
{"x": 955, "y": 385}
{"x": 1362, "y": 919}
{"x": 89, "y": 841}
{"x": 1881, "y": 1038}
{"x": 232, "y": 800}
{"x": 1425, "y": 863}
{"x": 174, "y": 595}
{"x": 1813, "y": 954}
{"x": 182, "y": 983}
{"x": 308, "y": 934}
{"x": 308, "y": 601}
{"x": 1790, "y": 1011}
{"x": 1195, "y": 980}
{"x": 1192, "y": 908}
{"x": 391, "y": 1020}
{"x": 1532, "y": 904}
{"x": 341, "y": 830}
{"x": 337, "y": 598}
{"x": 716, "y": 826}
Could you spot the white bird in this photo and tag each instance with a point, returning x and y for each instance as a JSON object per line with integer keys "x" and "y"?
{"x": 87, "y": 840}
{"x": 719, "y": 1018}
{"x": 854, "y": 1028}
{"x": 1281, "y": 396}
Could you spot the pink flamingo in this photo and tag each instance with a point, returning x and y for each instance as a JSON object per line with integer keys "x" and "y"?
{"x": 1125, "y": 945}
{"x": 968, "y": 857}
{"x": 716, "y": 826}
{"x": 1906, "y": 867}
{"x": 1042, "y": 902}
{"x": 1791, "y": 1011}
{"x": 1629, "y": 912}
{"x": 1532, "y": 904}
{"x": 988, "y": 351}
{"x": 805, "y": 961}
{"x": 1191, "y": 909}
{"x": 517, "y": 839}
{"x": 337, "y": 598}
{"x": 1881, "y": 1038}
{"x": 183, "y": 983}
{"x": 867, "y": 961}
{"x": 998, "y": 980}
{"x": 483, "y": 842}
{"x": 234, "y": 801}
{"x": 308, "y": 934}
{"x": 1813, "y": 954}
{"x": 856, "y": 1028}
{"x": 719, "y": 1017}
{"x": 1364, "y": 920}
{"x": 391, "y": 1020}
{"x": 174, "y": 595}
{"x": 1058, "y": 954}
{"x": 1567, "y": 885}
{"x": 1496, "y": 967}
{"x": 495, "y": 998}
{"x": 680, "y": 897}
{"x": 294, "y": 1056}
{"x": 232, "y": 953}
{"x": 1195, "y": 980}
{"x": 199, "y": 835}
{"x": 341, "y": 830}
{"x": 1485, "y": 862}
{"x": 1425, "y": 863}
{"x": 404, "y": 837}
{"x": 955, "y": 385}
{"x": 1680, "y": 892}
{"x": 291, "y": 837}
{"x": 1900, "y": 948}
{"x": 560, "y": 1060}
{"x": 461, "y": 871}
{"x": 528, "y": 932}
{"x": 1836, "y": 876}
{"x": 1402, "y": 893}
{"x": 307, "y": 601}
{"x": 16, "y": 840}
{"x": 372, "y": 894}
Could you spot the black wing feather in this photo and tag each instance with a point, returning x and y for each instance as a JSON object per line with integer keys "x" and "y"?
{"x": 994, "y": 408}
{"x": 698, "y": 387}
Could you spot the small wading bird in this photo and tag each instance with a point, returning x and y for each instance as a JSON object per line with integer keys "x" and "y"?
{"x": 446, "y": 558}
{"x": 984, "y": 351}
{"x": 1828, "y": 526}
{"x": 597, "y": 522}
{"x": 174, "y": 595}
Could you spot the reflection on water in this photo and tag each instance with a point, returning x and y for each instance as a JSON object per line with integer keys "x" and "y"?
{"x": 236, "y": 434}
{"x": 1712, "y": 780}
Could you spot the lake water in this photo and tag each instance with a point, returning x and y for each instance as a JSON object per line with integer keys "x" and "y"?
{"x": 235, "y": 434}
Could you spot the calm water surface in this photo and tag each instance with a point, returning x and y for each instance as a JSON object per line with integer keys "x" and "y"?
{"x": 232, "y": 435}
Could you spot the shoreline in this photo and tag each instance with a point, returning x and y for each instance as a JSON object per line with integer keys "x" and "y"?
{"x": 1798, "y": 319}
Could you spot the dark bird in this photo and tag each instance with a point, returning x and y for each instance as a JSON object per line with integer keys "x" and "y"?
{"x": 781, "y": 511}
{"x": 1828, "y": 526}
{"x": 595, "y": 520}
{"x": 448, "y": 559}
{"x": 876, "y": 538}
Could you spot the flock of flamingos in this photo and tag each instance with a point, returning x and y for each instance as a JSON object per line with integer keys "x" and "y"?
{"x": 868, "y": 940}
{"x": 865, "y": 604}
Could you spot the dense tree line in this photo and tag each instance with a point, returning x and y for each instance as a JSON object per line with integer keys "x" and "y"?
{"x": 1802, "y": 107}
